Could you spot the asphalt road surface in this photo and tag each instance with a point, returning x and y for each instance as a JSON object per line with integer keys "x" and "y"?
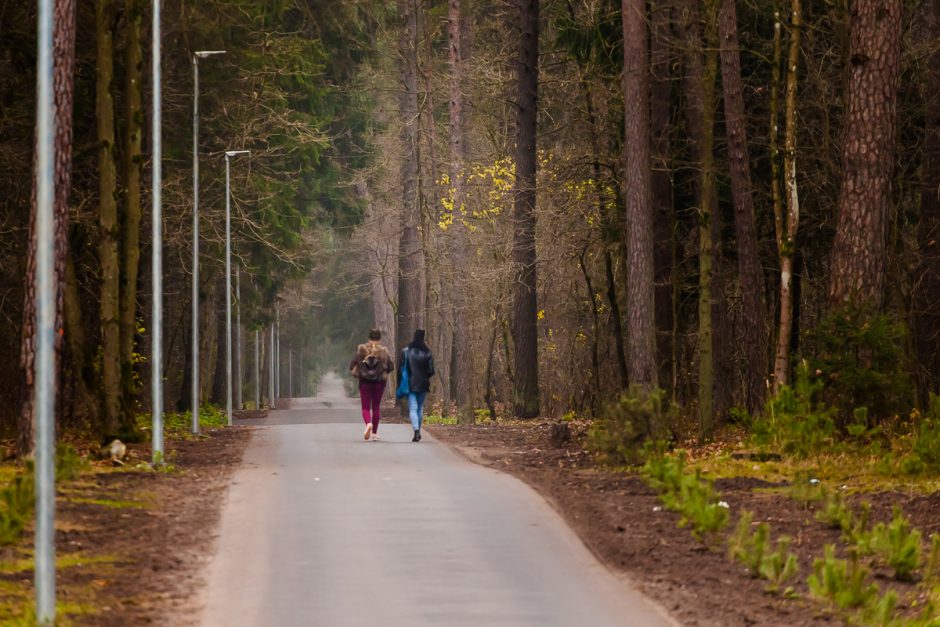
{"x": 321, "y": 528}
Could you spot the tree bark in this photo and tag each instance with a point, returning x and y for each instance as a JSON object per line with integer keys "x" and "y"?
{"x": 706, "y": 380}
{"x": 410, "y": 283}
{"x": 786, "y": 225}
{"x": 641, "y": 330}
{"x": 859, "y": 250}
{"x": 664, "y": 220}
{"x": 610, "y": 218}
{"x": 524, "y": 296}
{"x": 754, "y": 336}
{"x": 461, "y": 371}
{"x": 63, "y": 94}
{"x": 108, "y": 220}
{"x": 132, "y": 206}
{"x": 927, "y": 293}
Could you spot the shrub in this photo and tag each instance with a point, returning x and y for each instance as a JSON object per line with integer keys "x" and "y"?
{"x": 16, "y": 506}
{"x": 842, "y": 582}
{"x": 688, "y": 494}
{"x": 835, "y": 512}
{"x": 924, "y": 453}
{"x": 933, "y": 561}
{"x": 779, "y": 566}
{"x": 805, "y": 490}
{"x": 68, "y": 463}
{"x": 861, "y": 362}
{"x": 793, "y": 422}
{"x": 751, "y": 548}
{"x": 899, "y": 546}
{"x": 622, "y": 431}
{"x": 748, "y": 546}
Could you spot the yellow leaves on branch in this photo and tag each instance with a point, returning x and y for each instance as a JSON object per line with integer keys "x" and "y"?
{"x": 487, "y": 194}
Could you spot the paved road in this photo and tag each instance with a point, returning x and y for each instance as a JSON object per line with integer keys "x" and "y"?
{"x": 322, "y": 528}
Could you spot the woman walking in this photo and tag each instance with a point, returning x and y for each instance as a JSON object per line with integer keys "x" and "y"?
{"x": 371, "y": 366}
{"x": 414, "y": 376}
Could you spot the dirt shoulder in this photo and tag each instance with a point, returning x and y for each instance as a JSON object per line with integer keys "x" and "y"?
{"x": 621, "y": 520}
{"x": 132, "y": 542}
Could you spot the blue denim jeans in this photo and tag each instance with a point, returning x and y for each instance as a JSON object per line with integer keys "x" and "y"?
{"x": 416, "y": 408}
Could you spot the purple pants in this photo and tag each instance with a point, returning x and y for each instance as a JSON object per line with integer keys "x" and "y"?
{"x": 370, "y": 394}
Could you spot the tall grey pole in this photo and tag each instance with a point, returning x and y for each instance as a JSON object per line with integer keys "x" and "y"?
{"x": 303, "y": 385}
{"x": 257, "y": 374}
{"x": 290, "y": 373}
{"x": 272, "y": 402}
{"x": 44, "y": 401}
{"x": 199, "y": 54}
{"x": 228, "y": 281}
{"x": 156, "y": 360}
{"x": 238, "y": 335}
{"x": 277, "y": 353}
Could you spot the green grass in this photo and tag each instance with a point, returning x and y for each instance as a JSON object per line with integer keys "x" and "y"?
{"x": 70, "y": 560}
{"x": 437, "y": 419}
{"x": 112, "y": 503}
{"x": 179, "y": 425}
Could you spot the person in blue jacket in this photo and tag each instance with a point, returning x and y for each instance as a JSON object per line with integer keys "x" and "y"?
{"x": 419, "y": 362}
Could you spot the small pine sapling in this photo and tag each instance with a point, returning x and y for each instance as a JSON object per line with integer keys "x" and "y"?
{"x": 842, "y": 582}
{"x": 747, "y": 546}
{"x": 779, "y": 566}
{"x": 933, "y": 560}
{"x": 899, "y": 546}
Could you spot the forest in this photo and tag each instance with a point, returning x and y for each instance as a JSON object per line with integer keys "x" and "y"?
{"x": 572, "y": 197}
{"x": 641, "y": 227}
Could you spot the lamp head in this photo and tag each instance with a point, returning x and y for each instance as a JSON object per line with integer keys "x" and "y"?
{"x": 202, "y": 54}
{"x": 232, "y": 153}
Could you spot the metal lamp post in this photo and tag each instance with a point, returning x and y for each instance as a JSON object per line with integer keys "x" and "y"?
{"x": 257, "y": 375}
{"x": 199, "y": 54}
{"x": 44, "y": 400}
{"x": 240, "y": 367}
{"x": 228, "y": 279}
{"x": 272, "y": 401}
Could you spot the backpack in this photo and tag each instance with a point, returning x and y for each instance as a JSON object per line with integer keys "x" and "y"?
{"x": 371, "y": 367}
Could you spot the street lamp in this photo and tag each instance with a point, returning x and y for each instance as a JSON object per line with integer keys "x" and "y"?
{"x": 238, "y": 334}
{"x": 156, "y": 233}
{"x": 199, "y": 54}
{"x": 44, "y": 365}
{"x": 228, "y": 279}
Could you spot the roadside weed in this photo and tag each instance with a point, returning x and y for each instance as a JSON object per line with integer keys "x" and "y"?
{"x": 899, "y": 546}
{"x": 842, "y": 582}
{"x": 781, "y": 565}
{"x": 690, "y": 495}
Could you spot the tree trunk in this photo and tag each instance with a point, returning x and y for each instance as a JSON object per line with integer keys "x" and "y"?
{"x": 858, "y": 253}
{"x": 108, "y": 221}
{"x": 754, "y": 336}
{"x": 63, "y": 94}
{"x": 410, "y": 283}
{"x": 610, "y": 219}
{"x": 524, "y": 297}
{"x": 706, "y": 380}
{"x": 664, "y": 220}
{"x": 456, "y": 54}
{"x": 788, "y": 225}
{"x": 641, "y": 329}
{"x": 132, "y": 206}
{"x": 927, "y": 294}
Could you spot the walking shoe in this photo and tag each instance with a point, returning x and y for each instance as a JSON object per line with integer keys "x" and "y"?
{"x": 417, "y": 436}
{"x": 375, "y": 437}
{"x": 365, "y": 436}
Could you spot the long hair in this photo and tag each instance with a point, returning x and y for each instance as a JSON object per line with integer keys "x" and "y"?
{"x": 418, "y": 341}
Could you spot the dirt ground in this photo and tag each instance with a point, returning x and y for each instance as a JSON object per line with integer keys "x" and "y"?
{"x": 131, "y": 541}
{"x": 621, "y": 520}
